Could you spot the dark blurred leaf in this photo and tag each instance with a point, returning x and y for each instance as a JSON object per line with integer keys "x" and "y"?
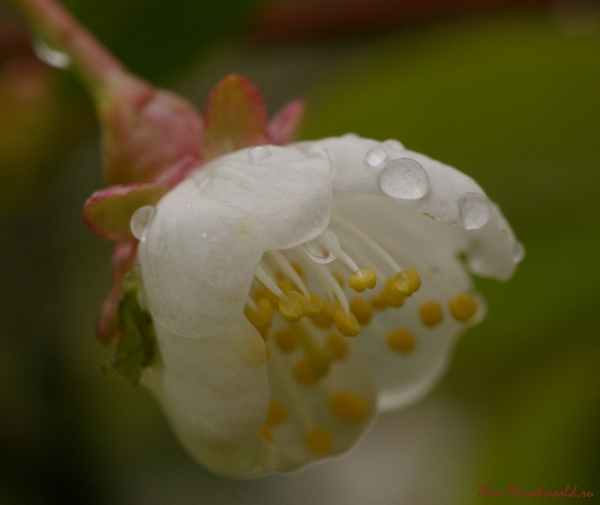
{"x": 160, "y": 38}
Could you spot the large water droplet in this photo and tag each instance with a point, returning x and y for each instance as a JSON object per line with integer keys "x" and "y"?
{"x": 404, "y": 178}
{"x": 475, "y": 210}
{"x": 518, "y": 252}
{"x": 376, "y": 155}
{"x": 322, "y": 249}
{"x": 258, "y": 153}
{"x": 50, "y": 56}
{"x": 141, "y": 220}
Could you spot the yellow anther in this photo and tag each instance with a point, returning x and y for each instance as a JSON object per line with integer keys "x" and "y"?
{"x": 325, "y": 318}
{"x": 407, "y": 282}
{"x": 337, "y": 346}
{"x": 462, "y": 307}
{"x": 265, "y": 433}
{"x": 431, "y": 313}
{"x": 285, "y": 284}
{"x": 348, "y": 406}
{"x": 390, "y": 294}
{"x": 285, "y": 340}
{"x": 361, "y": 310}
{"x": 378, "y": 303}
{"x": 315, "y": 305}
{"x": 346, "y": 324}
{"x": 308, "y": 373}
{"x": 277, "y": 413}
{"x": 292, "y": 306}
{"x": 266, "y": 293}
{"x": 339, "y": 278}
{"x": 402, "y": 341}
{"x": 266, "y": 310}
{"x": 267, "y": 351}
{"x": 319, "y": 440}
{"x": 262, "y": 318}
{"x": 362, "y": 279}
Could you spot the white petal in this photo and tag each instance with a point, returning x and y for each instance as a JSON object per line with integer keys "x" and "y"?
{"x": 215, "y": 392}
{"x": 200, "y": 251}
{"x": 453, "y": 198}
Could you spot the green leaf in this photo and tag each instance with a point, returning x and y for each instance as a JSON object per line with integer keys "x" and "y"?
{"x": 137, "y": 345}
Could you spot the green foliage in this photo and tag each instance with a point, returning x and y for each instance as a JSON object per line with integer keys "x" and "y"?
{"x": 137, "y": 345}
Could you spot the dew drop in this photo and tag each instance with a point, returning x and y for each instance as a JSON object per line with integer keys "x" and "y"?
{"x": 518, "y": 252}
{"x": 49, "y": 56}
{"x": 404, "y": 178}
{"x": 474, "y": 209}
{"x": 376, "y": 155}
{"x": 258, "y": 153}
{"x": 141, "y": 220}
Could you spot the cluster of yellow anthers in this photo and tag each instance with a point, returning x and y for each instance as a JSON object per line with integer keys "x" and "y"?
{"x": 282, "y": 298}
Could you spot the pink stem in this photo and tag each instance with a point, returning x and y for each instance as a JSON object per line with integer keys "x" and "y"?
{"x": 56, "y": 24}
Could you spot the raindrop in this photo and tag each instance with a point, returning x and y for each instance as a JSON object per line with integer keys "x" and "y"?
{"x": 474, "y": 209}
{"x": 258, "y": 153}
{"x": 321, "y": 249}
{"x": 50, "y": 56}
{"x": 518, "y": 252}
{"x": 141, "y": 220}
{"x": 404, "y": 178}
{"x": 376, "y": 155}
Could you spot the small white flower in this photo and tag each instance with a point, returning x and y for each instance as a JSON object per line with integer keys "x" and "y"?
{"x": 259, "y": 270}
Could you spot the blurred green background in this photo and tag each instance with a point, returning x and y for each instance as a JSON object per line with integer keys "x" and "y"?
{"x": 510, "y": 96}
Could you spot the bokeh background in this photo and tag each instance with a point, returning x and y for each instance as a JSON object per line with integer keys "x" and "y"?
{"x": 508, "y": 92}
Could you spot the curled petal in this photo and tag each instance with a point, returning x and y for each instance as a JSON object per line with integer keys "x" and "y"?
{"x": 430, "y": 188}
{"x": 108, "y": 211}
{"x": 215, "y": 393}
{"x": 201, "y": 249}
{"x": 235, "y": 117}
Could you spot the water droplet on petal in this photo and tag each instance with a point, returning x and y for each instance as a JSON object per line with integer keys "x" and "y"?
{"x": 258, "y": 153}
{"x": 50, "y": 56}
{"x": 518, "y": 252}
{"x": 141, "y": 220}
{"x": 376, "y": 155}
{"x": 404, "y": 178}
{"x": 203, "y": 234}
{"x": 321, "y": 249}
{"x": 393, "y": 144}
{"x": 475, "y": 210}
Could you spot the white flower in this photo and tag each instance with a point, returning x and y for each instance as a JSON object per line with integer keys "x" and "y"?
{"x": 268, "y": 359}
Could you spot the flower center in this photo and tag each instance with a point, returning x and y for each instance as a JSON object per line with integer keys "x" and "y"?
{"x": 320, "y": 287}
